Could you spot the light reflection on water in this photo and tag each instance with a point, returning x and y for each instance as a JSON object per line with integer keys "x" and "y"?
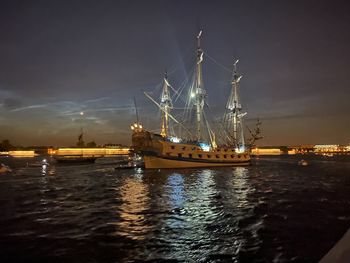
{"x": 135, "y": 202}
{"x": 185, "y": 211}
{"x": 175, "y": 183}
{"x": 241, "y": 186}
{"x": 193, "y": 213}
{"x": 239, "y": 214}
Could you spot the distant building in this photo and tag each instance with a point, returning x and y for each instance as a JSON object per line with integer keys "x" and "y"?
{"x": 267, "y": 151}
{"x": 301, "y": 149}
{"x": 324, "y": 148}
{"x": 292, "y": 152}
{"x": 96, "y": 152}
{"x": 21, "y": 154}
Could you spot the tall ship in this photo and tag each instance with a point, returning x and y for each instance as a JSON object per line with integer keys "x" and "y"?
{"x": 197, "y": 142}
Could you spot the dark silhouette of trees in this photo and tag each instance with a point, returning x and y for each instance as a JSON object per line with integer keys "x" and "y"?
{"x": 5, "y": 146}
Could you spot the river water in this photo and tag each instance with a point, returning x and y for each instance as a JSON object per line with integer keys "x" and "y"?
{"x": 271, "y": 211}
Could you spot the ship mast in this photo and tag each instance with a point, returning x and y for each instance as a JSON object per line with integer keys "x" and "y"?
{"x": 199, "y": 92}
{"x": 166, "y": 105}
{"x": 235, "y": 109}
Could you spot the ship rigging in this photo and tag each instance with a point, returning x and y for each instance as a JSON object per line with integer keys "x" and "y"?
{"x": 194, "y": 145}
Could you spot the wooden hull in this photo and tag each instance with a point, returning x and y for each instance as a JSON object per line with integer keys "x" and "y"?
{"x": 159, "y": 153}
{"x": 153, "y": 162}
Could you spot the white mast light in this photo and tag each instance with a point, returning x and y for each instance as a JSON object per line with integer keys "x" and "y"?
{"x": 175, "y": 139}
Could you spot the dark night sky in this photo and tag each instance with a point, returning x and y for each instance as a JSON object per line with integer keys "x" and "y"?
{"x": 58, "y": 58}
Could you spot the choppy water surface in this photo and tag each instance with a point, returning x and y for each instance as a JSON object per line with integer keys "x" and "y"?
{"x": 272, "y": 211}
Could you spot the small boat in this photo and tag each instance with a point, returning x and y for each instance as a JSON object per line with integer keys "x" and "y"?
{"x": 79, "y": 158}
{"x": 75, "y": 159}
{"x": 4, "y": 168}
{"x": 303, "y": 163}
{"x": 131, "y": 163}
{"x": 328, "y": 154}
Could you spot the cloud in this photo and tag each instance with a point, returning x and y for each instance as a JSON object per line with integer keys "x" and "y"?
{"x": 30, "y": 107}
{"x": 107, "y": 109}
{"x": 97, "y": 100}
